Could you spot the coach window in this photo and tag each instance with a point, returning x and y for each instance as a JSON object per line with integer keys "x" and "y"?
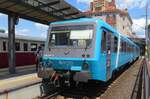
{"x": 112, "y": 43}
{"x": 103, "y": 42}
{"x": 121, "y": 43}
{"x": 33, "y": 47}
{"x": 4, "y": 46}
{"x": 125, "y": 47}
{"x": 25, "y": 46}
{"x": 17, "y": 46}
{"x": 115, "y": 44}
{"x": 130, "y": 48}
{"x": 42, "y": 45}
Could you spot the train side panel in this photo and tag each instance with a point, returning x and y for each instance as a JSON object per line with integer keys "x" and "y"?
{"x": 25, "y": 50}
{"x": 22, "y": 59}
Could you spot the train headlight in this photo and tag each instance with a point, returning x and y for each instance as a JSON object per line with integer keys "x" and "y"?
{"x": 85, "y": 66}
{"x": 83, "y": 55}
{"x": 88, "y": 55}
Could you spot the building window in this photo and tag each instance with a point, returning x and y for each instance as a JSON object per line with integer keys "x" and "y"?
{"x": 123, "y": 27}
{"x": 25, "y": 46}
{"x": 107, "y": 16}
{"x": 123, "y": 18}
{"x": 17, "y": 46}
{"x": 4, "y": 46}
{"x": 33, "y": 47}
{"x": 114, "y": 16}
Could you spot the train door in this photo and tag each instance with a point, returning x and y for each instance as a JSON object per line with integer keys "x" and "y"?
{"x": 108, "y": 54}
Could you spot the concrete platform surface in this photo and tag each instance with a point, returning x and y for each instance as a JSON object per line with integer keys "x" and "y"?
{"x": 23, "y": 70}
{"x": 16, "y": 82}
{"x": 123, "y": 86}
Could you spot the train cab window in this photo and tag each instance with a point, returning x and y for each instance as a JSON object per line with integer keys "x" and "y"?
{"x": 103, "y": 42}
{"x": 4, "y": 46}
{"x": 33, "y": 47}
{"x": 72, "y": 36}
{"x": 115, "y": 44}
{"x": 25, "y": 46}
{"x": 17, "y": 46}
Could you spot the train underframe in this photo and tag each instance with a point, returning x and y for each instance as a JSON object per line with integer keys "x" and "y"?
{"x": 61, "y": 80}
{"x": 56, "y": 80}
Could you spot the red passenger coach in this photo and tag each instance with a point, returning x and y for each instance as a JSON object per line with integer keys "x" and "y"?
{"x": 25, "y": 47}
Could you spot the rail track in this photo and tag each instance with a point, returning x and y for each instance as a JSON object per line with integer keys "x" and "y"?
{"x": 52, "y": 96}
{"x": 96, "y": 92}
{"x": 137, "y": 91}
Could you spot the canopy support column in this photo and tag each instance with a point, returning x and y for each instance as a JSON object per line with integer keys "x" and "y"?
{"x": 12, "y": 21}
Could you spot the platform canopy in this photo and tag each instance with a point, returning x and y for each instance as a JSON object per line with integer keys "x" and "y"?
{"x": 41, "y": 11}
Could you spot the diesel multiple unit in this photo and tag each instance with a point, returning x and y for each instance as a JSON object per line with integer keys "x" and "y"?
{"x": 83, "y": 50}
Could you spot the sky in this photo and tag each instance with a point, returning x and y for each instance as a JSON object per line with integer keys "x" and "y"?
{"x": 136, "y": 10}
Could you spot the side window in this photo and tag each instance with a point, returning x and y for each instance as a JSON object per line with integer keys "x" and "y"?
{"x": 115, "y": 44}
{"x": 25, "y": 46}
{"x": 121, "y": 45}
{"x": 125, "y": 47}
{"x": 112, "y": 43}
{"x": 33, "y": 46}
{"x": 17, "y": 46}
{"x": 108, "y": 40}
{"x": 42, "y": 45}
{"x": 103, "y": 42}
{"x": 130, "y": 48}
{"x": 4, "y": 46}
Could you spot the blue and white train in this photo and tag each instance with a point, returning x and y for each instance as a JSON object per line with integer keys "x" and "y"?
{"x": 83, "y": 50}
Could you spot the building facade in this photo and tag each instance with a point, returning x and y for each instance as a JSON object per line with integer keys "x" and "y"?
{"x": 107, "y": 11}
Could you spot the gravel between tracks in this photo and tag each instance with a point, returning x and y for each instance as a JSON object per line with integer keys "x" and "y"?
{"x": 122, "y": 87}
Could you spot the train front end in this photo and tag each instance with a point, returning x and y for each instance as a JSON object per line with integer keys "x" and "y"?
{"x": 69, "y": 53}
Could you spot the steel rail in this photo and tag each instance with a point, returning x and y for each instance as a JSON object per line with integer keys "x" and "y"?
{"x": 137, "y": 90}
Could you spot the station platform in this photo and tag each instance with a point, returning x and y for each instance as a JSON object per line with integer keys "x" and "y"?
{"x": 22, "y": 70}
{"x": 14, "y": 83}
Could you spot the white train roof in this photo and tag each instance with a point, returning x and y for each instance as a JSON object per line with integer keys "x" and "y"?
{"x": 22, "y": 37}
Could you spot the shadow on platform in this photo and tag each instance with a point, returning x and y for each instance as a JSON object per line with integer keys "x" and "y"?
{"x": 4, "y": 73}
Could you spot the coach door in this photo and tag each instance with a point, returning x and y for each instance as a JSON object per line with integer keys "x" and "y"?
{"x": 108, "y": 54}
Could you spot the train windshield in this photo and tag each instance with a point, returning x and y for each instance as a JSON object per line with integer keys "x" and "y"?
{"x": 76, "y": 36}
